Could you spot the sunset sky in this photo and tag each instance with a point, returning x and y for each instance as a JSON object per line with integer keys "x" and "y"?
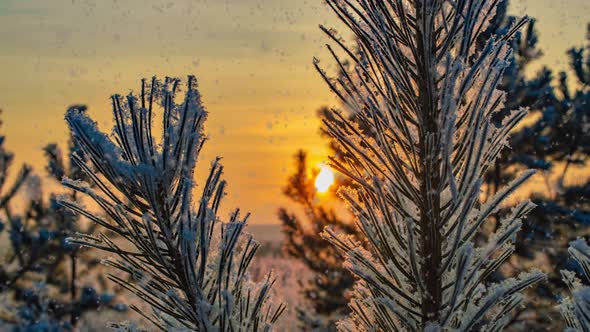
{"x": 253, "y": 59}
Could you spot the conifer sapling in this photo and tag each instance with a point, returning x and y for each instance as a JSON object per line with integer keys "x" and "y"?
{"x": 424, "y": 97}
{"x": 191, "y": 268}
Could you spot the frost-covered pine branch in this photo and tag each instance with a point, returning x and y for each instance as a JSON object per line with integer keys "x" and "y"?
{"x": 191, "y": 268}
{"x": 576, "y": 309}
{"x": 423, "y": 96}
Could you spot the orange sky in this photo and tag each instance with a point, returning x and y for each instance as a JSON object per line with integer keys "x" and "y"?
{"x": 252, "y": 59}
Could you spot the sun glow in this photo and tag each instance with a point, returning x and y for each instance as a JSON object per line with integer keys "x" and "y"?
{"x": 325, "y": 179}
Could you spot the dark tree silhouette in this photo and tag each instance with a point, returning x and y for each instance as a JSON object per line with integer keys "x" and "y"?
{"x": 557, "y": 142}
{"x": 327, "y": 287}
{"x": 43, "y": 271}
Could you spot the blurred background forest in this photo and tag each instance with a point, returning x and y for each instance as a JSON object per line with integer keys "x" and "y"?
{"x": 267, "y": 104}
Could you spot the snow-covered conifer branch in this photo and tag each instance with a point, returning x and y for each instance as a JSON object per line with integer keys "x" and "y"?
{"x": 191, "y": 268}
{"x": 417, "y": 145}
{"x": 576, "y": 309}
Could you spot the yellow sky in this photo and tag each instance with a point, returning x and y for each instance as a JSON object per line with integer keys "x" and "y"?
{"x": 252, "y": 59}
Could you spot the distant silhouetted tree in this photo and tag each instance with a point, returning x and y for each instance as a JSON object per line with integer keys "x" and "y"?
{"x": 10, "y": 274}
{"x": 326, "y": 288}
{"x": 42, "y": 272}
{"x": 556, "y": 140}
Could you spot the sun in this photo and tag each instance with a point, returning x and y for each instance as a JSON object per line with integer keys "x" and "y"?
{"x": 325, "y": 179}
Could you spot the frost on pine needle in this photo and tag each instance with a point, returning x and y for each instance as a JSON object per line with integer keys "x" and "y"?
{"x": 576, "y": 308}
{"x": 191, "y": 268}
{"x": 417, "y": 141}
